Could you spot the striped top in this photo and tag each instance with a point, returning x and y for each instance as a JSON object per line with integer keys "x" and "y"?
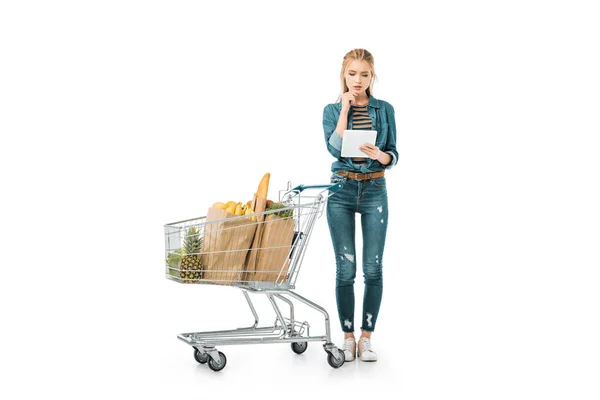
{"x": 360, "y": 118}
{"x": 361, "y": 121}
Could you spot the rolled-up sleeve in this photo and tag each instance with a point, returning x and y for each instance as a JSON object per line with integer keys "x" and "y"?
{"x": 390, "y": 147}
{"x": 332, "y": 139}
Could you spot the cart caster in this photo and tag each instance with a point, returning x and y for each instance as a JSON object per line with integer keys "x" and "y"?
{"x": 299, "y": 347}
{"x": 336, "y": 363}
{"x": 202, "y": 358}
{"x": 217, "y": 365}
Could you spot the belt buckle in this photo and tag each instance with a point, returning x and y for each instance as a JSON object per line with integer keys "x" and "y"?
{"x": 363, "y": 177}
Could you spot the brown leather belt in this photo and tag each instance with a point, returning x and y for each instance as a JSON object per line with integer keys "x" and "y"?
{"x": 359, "y": 176}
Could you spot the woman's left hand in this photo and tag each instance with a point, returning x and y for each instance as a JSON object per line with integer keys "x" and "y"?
{"x": 372, "y": 151}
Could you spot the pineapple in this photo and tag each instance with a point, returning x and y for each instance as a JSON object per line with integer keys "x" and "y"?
{"x": 191, "y": 264}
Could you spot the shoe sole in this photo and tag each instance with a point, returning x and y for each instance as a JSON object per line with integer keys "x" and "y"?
{"x": 363, "y": 360}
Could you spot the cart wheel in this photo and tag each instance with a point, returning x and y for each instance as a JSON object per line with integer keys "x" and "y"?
{"x": 336, "y": 363}
{"x": 217, "y": 365}
{"x": 299, "y": 347}
{"x": 201, "y": 358}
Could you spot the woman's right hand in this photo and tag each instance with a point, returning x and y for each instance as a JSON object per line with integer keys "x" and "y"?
{"x": 347, "y": 100}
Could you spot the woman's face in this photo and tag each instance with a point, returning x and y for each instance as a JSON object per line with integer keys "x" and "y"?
{"x": 358, "y": 76}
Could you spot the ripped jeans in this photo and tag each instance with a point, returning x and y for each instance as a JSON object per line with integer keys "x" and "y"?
{"x": 369, "y": 199}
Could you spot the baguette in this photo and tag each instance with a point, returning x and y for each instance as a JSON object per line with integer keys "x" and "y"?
{"x": 263, "y": 187}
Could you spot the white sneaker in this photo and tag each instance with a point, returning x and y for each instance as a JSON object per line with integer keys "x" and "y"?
{"x": 364, "y": 350}
{"x": 349, "y": 349}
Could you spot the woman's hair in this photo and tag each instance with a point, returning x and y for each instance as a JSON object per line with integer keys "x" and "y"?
{"x": 357, "y": 55}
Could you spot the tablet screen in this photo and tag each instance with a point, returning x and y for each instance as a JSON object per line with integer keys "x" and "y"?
{"x": 353, "y": 139}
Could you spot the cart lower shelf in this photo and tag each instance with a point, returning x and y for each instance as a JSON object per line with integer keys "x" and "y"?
{"x": 285, "y": 330}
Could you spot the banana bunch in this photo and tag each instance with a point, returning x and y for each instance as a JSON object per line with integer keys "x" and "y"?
{"x": 237, "y": 208}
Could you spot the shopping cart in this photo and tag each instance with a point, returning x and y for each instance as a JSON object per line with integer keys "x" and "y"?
{"x": 262, "y": 257}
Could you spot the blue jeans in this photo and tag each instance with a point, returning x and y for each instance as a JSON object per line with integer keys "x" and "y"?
{"x": 369, "y": 199}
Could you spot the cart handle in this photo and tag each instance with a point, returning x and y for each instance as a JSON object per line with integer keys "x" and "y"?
{"x": 335, "y": 187}
{"x": 332, "y": 188}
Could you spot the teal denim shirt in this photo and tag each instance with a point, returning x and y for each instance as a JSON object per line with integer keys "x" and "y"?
{"x": 383, "y": 121}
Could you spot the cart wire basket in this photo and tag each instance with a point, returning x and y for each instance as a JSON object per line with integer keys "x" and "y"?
{"x": 260, "y": 254}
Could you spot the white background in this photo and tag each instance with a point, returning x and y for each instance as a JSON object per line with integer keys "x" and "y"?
{"x": 120, "y": 116}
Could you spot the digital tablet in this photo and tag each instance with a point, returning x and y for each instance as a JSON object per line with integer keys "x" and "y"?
{"x": 353, "y": 139}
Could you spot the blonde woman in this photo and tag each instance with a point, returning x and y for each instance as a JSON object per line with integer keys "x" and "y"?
{"x": 364, "y": 192}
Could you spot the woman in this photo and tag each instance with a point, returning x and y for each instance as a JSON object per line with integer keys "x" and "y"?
{"x": 364, "y": 192}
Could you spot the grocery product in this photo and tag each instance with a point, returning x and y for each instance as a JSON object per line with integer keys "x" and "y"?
{"x": 174, "y": 262}
{"x": 191, "y": 264}
{"x": 272, "y": 257}
{"x": 238, "y": 208}
{"x": 220, "y": 206}
{"x": 231, "y": 208}
{"x": 226, "y": 240}
{"x": 263, "y": 187}
{"x": 282, "y": 214}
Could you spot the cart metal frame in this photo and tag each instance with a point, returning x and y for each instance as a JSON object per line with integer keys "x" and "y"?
{"x": 284, "y": 329}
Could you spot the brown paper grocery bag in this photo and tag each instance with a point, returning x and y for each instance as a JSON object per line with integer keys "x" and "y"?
{"x": 225, "y": 246}
{"x": 275, "y": 245}
{"x": 258, "y": 205}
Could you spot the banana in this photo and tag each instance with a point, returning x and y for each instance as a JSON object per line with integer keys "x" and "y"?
{"x": 219, "y": 205}
{"x": 249, "y": 211}
{"x": 235, "y": 208}
{"x": 238, "y": 209}
{"x": 231, "y": 208}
